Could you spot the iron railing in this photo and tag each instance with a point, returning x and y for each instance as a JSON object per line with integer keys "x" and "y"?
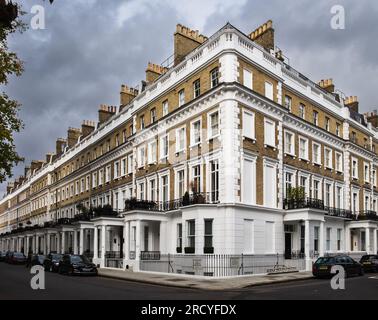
{"x": 150, "y": 255}
{"x": 192, "y": 199}
{"x": 291, "y": 204}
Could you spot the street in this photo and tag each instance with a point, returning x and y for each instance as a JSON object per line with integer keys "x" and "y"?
{"x": 15, "y": 284}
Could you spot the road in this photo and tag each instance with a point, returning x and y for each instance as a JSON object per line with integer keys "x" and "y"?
{"x": 15, "y": 284}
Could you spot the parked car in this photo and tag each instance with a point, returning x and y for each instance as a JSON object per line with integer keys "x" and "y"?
{"x": 3, "y": 254}
{"x": 52, "y": 261}
{"x": 77, "y": 264}
{"x": 8, "y": 255}
{"x": 16, "y": 258}
{"x": 322, "y": 266}
{"x": 370, "y": 262}
{"x": 37, "y": 260}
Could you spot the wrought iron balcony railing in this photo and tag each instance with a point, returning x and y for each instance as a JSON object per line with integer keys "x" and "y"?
{"x": 291, "y": 204}
{"x": 195, "y": 198}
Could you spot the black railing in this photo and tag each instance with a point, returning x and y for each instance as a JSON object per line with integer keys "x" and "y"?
{"x": 114, "y": 254}
{"x": 187, "y": 200}
{"x": 367, "y": 215}
{"x": 150, "y": 255}
{"x": 291, "y": 204}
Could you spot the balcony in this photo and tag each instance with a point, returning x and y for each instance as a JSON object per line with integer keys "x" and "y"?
{"x": 161, "y": 206}
{"x": 367, "y": 215}
{"x": 310, "y": 203}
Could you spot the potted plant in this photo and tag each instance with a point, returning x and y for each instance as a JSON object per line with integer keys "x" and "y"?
{"x": 186, "y": 199}
{"x": 179, "y": 249}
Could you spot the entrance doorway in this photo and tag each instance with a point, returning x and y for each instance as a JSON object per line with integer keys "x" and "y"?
{"x": 288, "y": 245}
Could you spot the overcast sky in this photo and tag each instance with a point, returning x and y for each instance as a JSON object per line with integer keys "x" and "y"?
{"x": 90, "y": 47}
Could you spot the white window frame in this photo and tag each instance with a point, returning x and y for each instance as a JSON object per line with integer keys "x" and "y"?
{"x": 210, "y": 134}
{"x": 101, "y": 177}
{"x": 248, "y": 78}
{"x": 165, "y": 107}
{"x": 141, "y": 160}
{"x": 266, "y": 142}
{"x": 338, "y": 164}
{"x": 193, "y": 143}
{"x": 356, "y": 174}
{"x": 269, "y": 90}
{"x": 366, "y": 174}
{"x": 319, "y": 160}
{"x": 130, "y": 164}
{"x": 117, "y": 169}
{"x": 181, "y": 97}
{"x": 108, "y": 174}
{"x": 177, "y": 170}
{"x": 179, "y": 132}
{"x": 328, "y": 165}
{"x": 249, "y": 117}
{"x": 306, "y": 158}
{"x": 292, "y": 143}
{"x": 152, "y": 152}
{"x": 164, "y": 139}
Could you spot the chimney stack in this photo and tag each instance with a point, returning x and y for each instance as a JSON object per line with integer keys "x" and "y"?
{"x": 87, "y": 127}
{"x": 127, "y": 95}
{"x": 49, "y": 157}
{"x": 264, "y": 35}
{"x": 60, "y": 146}
{"x": 352, "y": 103}
{"x": 185, "y": 41}
{"x": 10, "y": 186}
{"x": 154, "y": 71}
{"x": 73, "y": 135}
{"x": 36, "y": 165}
{"x": 327, "y": 85}
{"x": 105, "y": 113}
{"x": 372, "y": 117}
{"x": 26, "y": 170}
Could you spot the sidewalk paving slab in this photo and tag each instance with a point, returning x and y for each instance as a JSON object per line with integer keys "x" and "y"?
{"x": 204, "y": 283}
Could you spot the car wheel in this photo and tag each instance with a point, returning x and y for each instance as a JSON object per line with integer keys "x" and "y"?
{"x": 71, "y": 272}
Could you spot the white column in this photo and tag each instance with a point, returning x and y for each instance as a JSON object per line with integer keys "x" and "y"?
{"x": 58, "y": 243}
{"x": 48, "y": 243}
{"x": 347, "y": 247}
{"x": 95, "y": 244}
{"x": 321, "y": 239}
{"x": 81, "y": 241}
{"x": 138, "y": 238}
{"x": 367, "y": 240}
{"x": 126, "y": 247}
{"x": 307, "y": 246}
{"x": 63, "y": 244}
{"x": 75, "y": 251}
{"x": 163, "y": 237}
{"x": 103, "y": 246}
{"x": 36, "y": 244}
{"x": 375, "y": 245}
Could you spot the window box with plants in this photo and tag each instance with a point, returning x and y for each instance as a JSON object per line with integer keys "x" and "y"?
{"x": 208, "y": 250}
{"x": 179, "y": 249}
{"x": 190, "y": 250}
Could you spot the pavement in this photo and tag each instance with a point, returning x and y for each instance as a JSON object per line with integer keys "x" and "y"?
{"x": 204, "y": 283}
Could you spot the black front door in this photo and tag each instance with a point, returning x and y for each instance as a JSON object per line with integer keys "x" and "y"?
{"x": 287, "y": 245}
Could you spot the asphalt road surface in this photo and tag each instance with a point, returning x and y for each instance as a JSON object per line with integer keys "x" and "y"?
{"x": 15, "y": 284}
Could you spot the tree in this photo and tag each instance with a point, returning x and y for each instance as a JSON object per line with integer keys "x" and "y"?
{"x": 10, "y": 64}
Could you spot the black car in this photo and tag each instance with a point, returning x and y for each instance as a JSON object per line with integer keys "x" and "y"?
{"x": 8, "y": 255}
{"x": 16, "y": 258}
{"x": 370, "y": 262}
{"x": 73, "y": 264}
{"x": 322, "y": 266}
{"x": 3, "y": 254}
{"x": 37, "y": 260}
{"x": 52, "y": 261}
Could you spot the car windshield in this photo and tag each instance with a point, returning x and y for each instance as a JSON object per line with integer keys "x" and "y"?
{"x": 56, "y": 256}
{"x": 78, "y": 259}
{"x": 322, "y": 260}
{"x": 18, "y": 255}
{"x": 366, "y": 258}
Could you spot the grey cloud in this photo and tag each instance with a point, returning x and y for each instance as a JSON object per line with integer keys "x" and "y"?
{"x": 86, "y": 53}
